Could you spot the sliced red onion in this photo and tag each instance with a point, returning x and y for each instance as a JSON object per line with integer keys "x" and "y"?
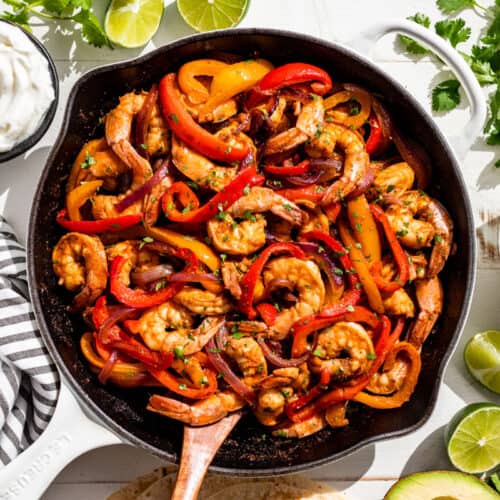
{"x": 143, "y": 190}
{"x": 320, "y": 170}
{"x": 183, "y": 277}
{"x": 161, "y": 247}
{"x": 221, "y": 338}
{"x": 385, "y": 124}
{"x": 277, "y": 360}
{"x": 155, "y": 273}
{"x": 142, "y": 120}
{"x": 229, "y": 376}
{"x": 108, "y": 367}
{"x": 365, "y": 183}
{"x": 119, "y": 314}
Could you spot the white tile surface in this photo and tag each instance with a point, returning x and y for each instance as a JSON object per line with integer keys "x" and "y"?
{"x": 368, "y": 473}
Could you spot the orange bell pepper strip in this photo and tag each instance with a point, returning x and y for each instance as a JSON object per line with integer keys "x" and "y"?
{"x": 361, "y": 266}
{"x": 186, "y": 197}
{"x": 88, "y": 150}
{"x": 353, "y": 121}
{"x": 185, "y": 128}
{"x": 196, "y": 92}
{"x": 181, "y": 386}
{"x": 234, "y": 79}
{"x": 364, "y": 228}
{"x": 78, "y": 196}
{"x": 311, "y": 193}
{"x": 403, "y": 394}
{"x": 399, "y": 254}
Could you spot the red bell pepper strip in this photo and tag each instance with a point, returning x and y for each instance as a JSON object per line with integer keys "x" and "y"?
{"x": 374, "y": 140}
{"x": 338, "y": 251}
{"x": 311, "y": 193}
{"x": 332, "y": 211}
{"x": 397, "y": 250}
{"x": 384, "y": 345}
{"x": 183, "y": 126}
{"x": 180, "y": 385}
{"x": 141, "y": 299}
{"x": 110, "y": 225}
{"x": 302, "y": 328}
{"x": 267, "y": 312}
{"x": 299, "y": 169}
{"x": 250, "y": 279}
{"x": 220, "y": 202}
{"x": 287, "y": 75}
{"x": 117, "y": 339}
{"x": 295, "y": 406}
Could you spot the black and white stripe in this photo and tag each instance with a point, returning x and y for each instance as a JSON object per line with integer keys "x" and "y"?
{"x": 28, "y": 378}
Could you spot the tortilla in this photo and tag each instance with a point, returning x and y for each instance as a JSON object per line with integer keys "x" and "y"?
{"x": 159, "y": 485}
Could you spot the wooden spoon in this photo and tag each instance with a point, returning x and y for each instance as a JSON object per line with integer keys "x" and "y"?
{"x": 199, "y": 446}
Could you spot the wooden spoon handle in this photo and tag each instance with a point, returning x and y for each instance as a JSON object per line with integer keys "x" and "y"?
{"x": 199, "y": 447}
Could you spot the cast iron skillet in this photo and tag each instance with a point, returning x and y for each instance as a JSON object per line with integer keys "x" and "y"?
{"x": 246, "y": 451}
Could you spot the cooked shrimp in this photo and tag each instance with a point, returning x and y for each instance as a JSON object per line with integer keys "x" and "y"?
{"x": 429, "y": 292}
{"x": 356, "y": 159}
{"x": 104, "y": 206}
{"x": 308, "y": 123}
{"x": 189, "y": 367}
{"x": 345, "y": 349}
{"x": 434, "y": 226}
{"x": 271, "y": 405}
{"x": 204, "y": 412}
{"x": 318, "y": 221}
{"x": 152, "y": 201}
{"x": 302, "y": 429}
{"x": 305, "y": 276}
{"x": 79, "y": 261}
{"x": 237, "y": 238}
{"x": 137, "y": 258}
{"x": 399, "y": 303}
{"x": 335, "y": 415}
{"x": 295, "y": 377}
{"x": 118, "y": 128}
{"x": 262, "y": 199}
{"x": 248, "y": 356}
{"x": 394, "y": 371}
{"x": 157, "y": 137}
{"x": 203, "y": 301}
{"x": 395, "y": 180}
{"x": 200, "y": 169}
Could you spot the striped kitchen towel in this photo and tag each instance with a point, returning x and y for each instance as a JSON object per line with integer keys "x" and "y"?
{"x": 28, "y": 378}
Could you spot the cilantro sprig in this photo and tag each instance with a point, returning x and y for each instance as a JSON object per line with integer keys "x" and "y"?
{"x": 77, "y": 12}
{"x": 483, "y": 58}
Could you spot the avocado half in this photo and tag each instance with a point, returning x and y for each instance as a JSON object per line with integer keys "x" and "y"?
{"x": 441, "y": 485}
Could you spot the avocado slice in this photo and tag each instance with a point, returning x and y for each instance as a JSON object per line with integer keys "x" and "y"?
{"x": 441, "y": 485}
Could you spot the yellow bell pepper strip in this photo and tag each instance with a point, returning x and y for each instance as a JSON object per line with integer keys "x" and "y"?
{"x": 204, "y": 253}
{"x": 403, "y": 394}
{"x": 78, "y": 196}
{"x": 361, "y": 266}
{"x": 364, "y": 228}
{"x": 110, "y": 225}
{"x": 351, "y": 119}
{"x": 195, "y": 214}
{"x": 234, "y": 79}
{"x": 196, "y": 92}
{"x": 195, "y": 136}
{"x": 82, "y": 160}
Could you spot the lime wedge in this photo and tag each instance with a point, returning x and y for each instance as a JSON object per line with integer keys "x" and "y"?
{"x": 482, "y": 357}
{"x": 132, "y": 23}
{"x": 207, "y": 15}
{"x": 473, "y": 438}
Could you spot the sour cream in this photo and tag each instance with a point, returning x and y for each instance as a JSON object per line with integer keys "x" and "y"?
{"x": 26, "y": 89}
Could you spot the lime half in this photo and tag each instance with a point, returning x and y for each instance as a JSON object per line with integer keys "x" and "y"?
{"x": 473, "y": 438}
{"x": 207, "y": 15}
{"x": 482, "y": 357}
{"x": 132, "y": 23}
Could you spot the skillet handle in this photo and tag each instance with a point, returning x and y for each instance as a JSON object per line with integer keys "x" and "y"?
{"x": 461, "y": 143}
{"x": 69, "y": 434}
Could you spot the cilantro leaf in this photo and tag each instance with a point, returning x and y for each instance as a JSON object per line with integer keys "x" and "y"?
{"x": 452, "y": 6}
{"x": 482, "y": 69}
{"x": 453, "y": 30}
{"x": 20, "y": 17}
{"x": 492, "y": 127}
{"x": 411, "y": 45}
{"x": 92, "y": 30}
{"x": 445, "y": 95}
{"x": 56, "y": 6}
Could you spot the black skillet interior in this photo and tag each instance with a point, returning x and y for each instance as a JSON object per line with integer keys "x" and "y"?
{"x": 249, "y": 450}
